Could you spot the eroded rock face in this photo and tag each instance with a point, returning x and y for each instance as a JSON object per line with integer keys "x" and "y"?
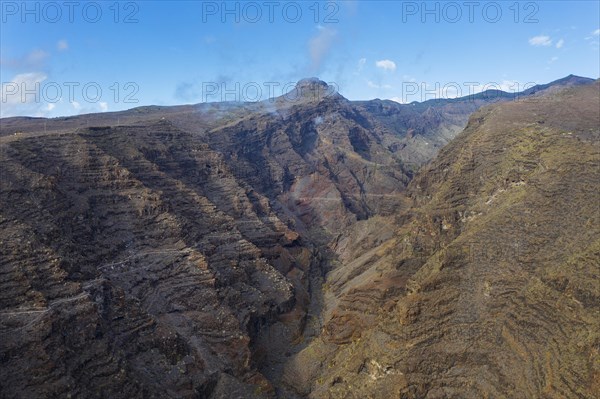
{"x": 277, "y": 250}
{"x": 138, "y": 245}
{"x": 150, "y": 258}
{"x": 488, "y": 287}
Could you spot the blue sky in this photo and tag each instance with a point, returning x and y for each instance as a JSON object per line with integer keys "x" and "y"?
{"x": 108, "y": 56}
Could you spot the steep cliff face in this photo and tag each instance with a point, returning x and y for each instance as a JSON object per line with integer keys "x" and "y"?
{"x": 488, "y": 286}
{"x": 323, "y": 162}
{"x": 135, "y": 264}
{"x": 149, "y": 258}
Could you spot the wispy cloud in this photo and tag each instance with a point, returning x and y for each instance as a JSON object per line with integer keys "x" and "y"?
{"x": 593, "y": 39}
{"x": 374, "y": 85}
{"x": 386, "y": 65}
{"x": 35, "y": 59}
{"x": 361, "y": 64}
{"x": 320, "y": 45}
{"x": 62, "y": 45}
{"x": 186, "y": 91}
{"x": 541, "y": 40}
{"x": 398, "y": 100}
{"x": 560, "y": 43}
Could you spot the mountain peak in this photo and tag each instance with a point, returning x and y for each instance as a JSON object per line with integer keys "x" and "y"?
{"x": 311, "y": 82}
{"x": 312, "y": 89}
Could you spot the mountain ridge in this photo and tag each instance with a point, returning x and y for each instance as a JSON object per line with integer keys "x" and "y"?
{"x": 486, "y": 286}
{"x": 256, "y": 252}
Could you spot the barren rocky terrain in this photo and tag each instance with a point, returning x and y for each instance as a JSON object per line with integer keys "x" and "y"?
{"x": 301, "y": 249}
{"x": 488, "y": 286}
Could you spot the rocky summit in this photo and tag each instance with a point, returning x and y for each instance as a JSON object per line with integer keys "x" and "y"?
{"x": 305, "y": 246}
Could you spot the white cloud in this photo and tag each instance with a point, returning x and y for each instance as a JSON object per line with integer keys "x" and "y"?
{"x": 560, "y": 43}
{"x": 398, "y": 100}
{"x": 593, "y": 39}
{"x": 50, "y": 106}
{"x": 76, "y": 105}
{"x": 377, "y": 86}
{"x": 319, "y": 46}
{"x": 103, "y": 106}
{"x": 386, "y": 65}
{"x": 21, "y": 95}
{"x": 553, "y": 60}
{"x": 361, "y": 64}
{"x": 540, "y": 41}
{"x": 18, "y": 89}
{"x": 62, "y": 45}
